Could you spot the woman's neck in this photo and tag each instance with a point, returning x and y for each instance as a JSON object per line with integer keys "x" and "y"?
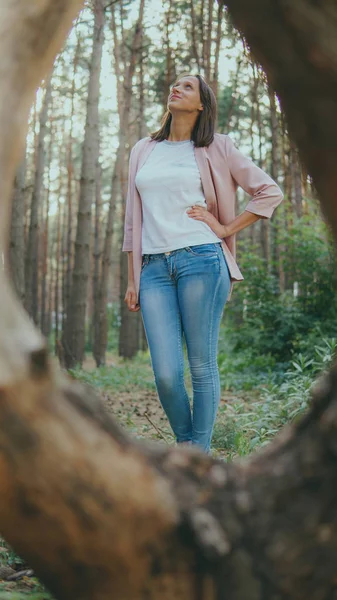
{"x": 181, "y": 128}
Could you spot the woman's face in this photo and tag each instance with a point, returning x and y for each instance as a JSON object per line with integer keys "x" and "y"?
{"x": 185, "y": 95}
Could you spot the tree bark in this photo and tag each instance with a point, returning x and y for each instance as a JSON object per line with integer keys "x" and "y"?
{"x": 74, "y": 336}
{"x": 202, "y": 33}
{"x": 170, "y": 62}
{"x": 215, "y": 76}
{"x": 97, "y": 254}
{"x": 303, "y": 73}
{"x": 32, "y": 254}
{"x": 264, "y": 223}
{"x": 125, "y": 97}
{"x": 141, "y": 134}
{"x": 194, "y": 35}
{"x": 128, "y": 343}
{"x": 57, "y": 308}
{"x": 297, "y": 179}
{"x": 128, "y": 339}
{"x": 208, "y": 41}
{"x": 44, "y": 317}
{"x": 117, "y": 52}
{"x": 17, "y": 235}
{"x": 276, "y": 249}
{"x": 68, "y": 267}
{"x": 32, "y": 34}
{"x": 233, "y": 100}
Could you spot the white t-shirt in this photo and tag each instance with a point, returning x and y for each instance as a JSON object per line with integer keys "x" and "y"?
{"x": 169, "y": 184}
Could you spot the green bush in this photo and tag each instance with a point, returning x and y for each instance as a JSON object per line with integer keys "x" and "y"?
{"x": 262, "y": 320}
{"x": 256, "y": 422}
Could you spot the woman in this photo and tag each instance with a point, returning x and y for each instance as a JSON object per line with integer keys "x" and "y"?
{"x": 180, "y": 228}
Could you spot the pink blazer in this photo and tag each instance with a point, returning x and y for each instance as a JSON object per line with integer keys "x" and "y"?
{"x": 222, "y": 169}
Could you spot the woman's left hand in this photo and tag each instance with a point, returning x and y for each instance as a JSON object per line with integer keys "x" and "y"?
{"x": 199, "y": 213}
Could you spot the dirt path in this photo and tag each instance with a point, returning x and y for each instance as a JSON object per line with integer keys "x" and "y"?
{"x": 136, "y": 406}
{"x": 141, "y": 412}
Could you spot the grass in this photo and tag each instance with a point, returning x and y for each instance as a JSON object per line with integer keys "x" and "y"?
{"x": 124, "y": 375}
{"x": 242, "y": 426}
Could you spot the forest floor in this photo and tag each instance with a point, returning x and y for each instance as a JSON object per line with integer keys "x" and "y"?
{"x": 128, "y": 391}
{"x": 137, "y": 408}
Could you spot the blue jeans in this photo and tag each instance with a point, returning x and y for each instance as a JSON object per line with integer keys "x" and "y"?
{"x": 183, "y": 293}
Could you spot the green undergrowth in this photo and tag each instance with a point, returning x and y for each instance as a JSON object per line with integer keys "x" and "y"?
{"x": 244, "y": 425}
{"x": 124, "y": 375}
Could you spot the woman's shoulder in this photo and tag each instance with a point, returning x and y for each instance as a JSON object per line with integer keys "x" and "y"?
{"x": 141, "y": 144}
{"x": 220, "y": 143}
{"x": 222, "y": 139}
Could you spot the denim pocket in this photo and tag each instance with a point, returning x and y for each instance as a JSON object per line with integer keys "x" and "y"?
{"x": 203, "y": 250}
{"x": 145, "y": 261}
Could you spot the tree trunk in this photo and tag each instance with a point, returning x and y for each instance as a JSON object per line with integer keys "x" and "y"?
{"x": 170, "y": 66}
{"x": 58, "y": 346}
{"x": 194, "y": 35}
{"x": 101, "y": 329}
{"x": 97, "y": 254}
{"x": 17, "y": 235}
{"x": 118, "y": 67}
{"x": 128, "y": 321}
{"x": 202, "y": 34}
{"x": 302, "y": 79}
{"x": 276, "y": 250}
{"x": 44, "y": 268}
{"x": 215, "y": 77}
{"x": 68, "y": 267}
{"x": 141, "y": 133}
{"x": 50, "y": 295}
{"x": 75, "y": 321}
{"x": 208, "y": 41}
{"x": 128, "y": 343}
{"x": 32, "y": 255}
{"x": 297, "y": 179}
{"x": 287, "y": 178}
{"x": 44, "y": 318}
{"x": 264, "y": 223}
{"x": 233, "y": 99}
{"x": 142, "y": 128}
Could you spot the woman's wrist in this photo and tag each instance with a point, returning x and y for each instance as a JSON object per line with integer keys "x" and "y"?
{"x": 224, "y": 232}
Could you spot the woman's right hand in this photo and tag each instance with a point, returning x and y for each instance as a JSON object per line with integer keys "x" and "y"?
{"x": 131, "y": 298}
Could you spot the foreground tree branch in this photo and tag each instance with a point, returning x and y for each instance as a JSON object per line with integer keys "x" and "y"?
{"x": 96, "y": 513}
{"x": 31, "y": 33}
{"x": 99, "y": 515}
{"x": 295, "y": 41}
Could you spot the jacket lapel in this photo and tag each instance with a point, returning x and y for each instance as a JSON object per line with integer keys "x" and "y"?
{"x": 145, "y": 151}
{"x": 206, "y": 180}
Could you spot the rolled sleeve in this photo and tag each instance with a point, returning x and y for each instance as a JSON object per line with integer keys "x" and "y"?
{"x": 266, "y": 194}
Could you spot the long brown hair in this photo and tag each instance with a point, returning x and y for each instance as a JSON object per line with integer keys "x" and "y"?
{"x": 203, "y": 130}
